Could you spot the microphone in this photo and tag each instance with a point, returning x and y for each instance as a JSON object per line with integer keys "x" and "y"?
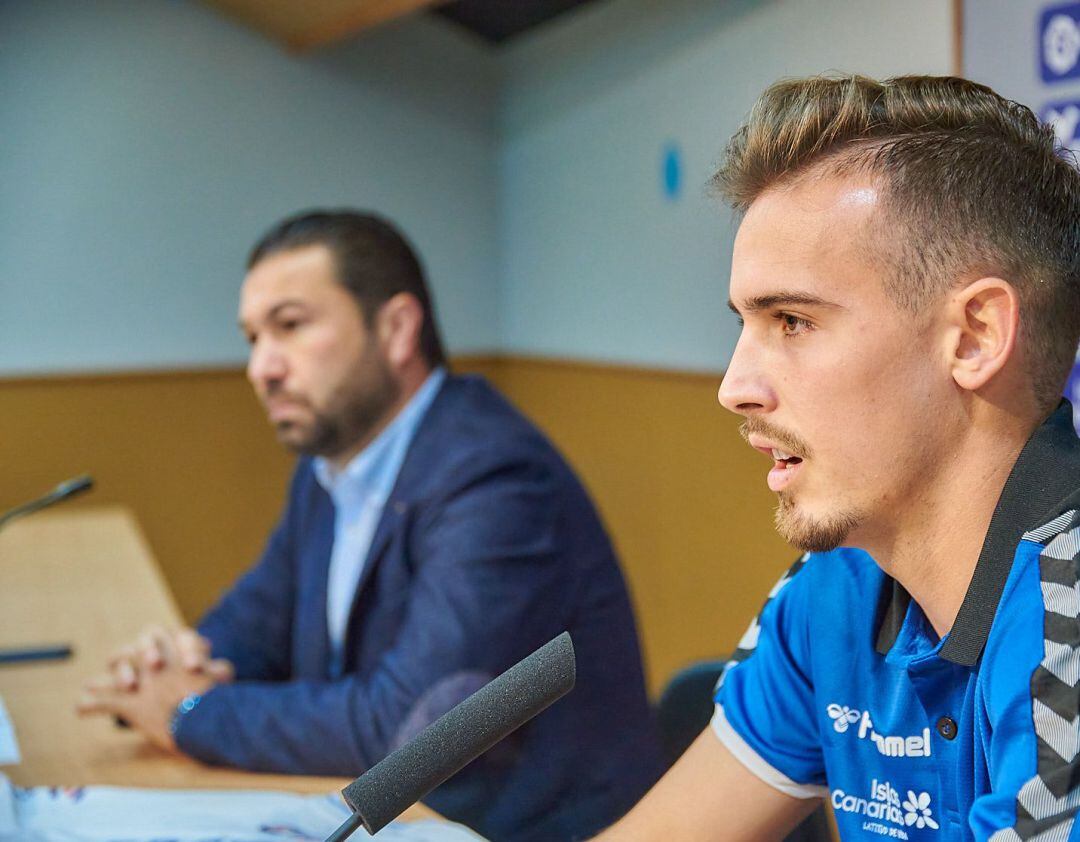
{"x": 458, "y": 737}
{"x": 68, "y": 488}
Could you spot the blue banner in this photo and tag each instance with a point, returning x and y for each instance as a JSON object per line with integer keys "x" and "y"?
{"x": 1059, "y": 42}
{"x": 1065, "y": 118}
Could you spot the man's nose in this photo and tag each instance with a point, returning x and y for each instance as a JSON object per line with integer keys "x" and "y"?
{"x": 266, "y": 363}
{"x": 745, "y": 388}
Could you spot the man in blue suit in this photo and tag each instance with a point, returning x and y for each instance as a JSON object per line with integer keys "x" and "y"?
{"x": 432, "y": 538}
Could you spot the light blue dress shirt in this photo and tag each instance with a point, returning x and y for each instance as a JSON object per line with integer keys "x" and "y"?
{"x": 359, "y": 492}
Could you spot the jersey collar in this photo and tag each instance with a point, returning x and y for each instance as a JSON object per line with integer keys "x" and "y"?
{"x": 1044, "y": 476}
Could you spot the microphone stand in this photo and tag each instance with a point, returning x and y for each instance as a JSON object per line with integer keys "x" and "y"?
{"x": 352, "y": 824}
{"x": 66, "y": 489}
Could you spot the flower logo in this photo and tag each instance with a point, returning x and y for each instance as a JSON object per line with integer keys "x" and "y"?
{"x": 918, "y": 810}
{"x": 1061, "y": 44}
{"x": 843, "y": 716}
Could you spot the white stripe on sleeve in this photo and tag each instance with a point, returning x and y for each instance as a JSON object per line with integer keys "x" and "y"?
{"x": 754, "y": 762}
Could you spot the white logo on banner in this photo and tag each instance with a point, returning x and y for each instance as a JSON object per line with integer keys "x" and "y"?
{"x": 1061, "y": 44}
{"x": 1064, "y": 121}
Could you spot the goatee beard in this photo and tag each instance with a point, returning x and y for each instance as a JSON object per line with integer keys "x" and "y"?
{"x": 813, "y": 535}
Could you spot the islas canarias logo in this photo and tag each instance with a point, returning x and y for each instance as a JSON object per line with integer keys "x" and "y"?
{"x": 885, "y": 812}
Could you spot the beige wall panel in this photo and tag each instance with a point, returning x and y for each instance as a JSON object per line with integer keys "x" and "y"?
{"x": 682, "y": 495}
{"x": 191, "y": 453}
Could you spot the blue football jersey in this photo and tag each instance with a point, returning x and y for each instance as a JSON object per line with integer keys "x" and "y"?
{"x": 841, "y": 689}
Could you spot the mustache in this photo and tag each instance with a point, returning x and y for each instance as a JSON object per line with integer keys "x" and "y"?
{"x": 787, "y": 441}
{"x": 276, "y": 390}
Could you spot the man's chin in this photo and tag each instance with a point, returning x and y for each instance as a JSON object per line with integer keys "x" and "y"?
{"x": 813, "y": 533}
{"x": 295, "y": 438}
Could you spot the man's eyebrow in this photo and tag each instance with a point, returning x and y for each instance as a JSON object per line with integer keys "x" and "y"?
{"x": 781, "y": 299}
{"x": 276, "y": 309}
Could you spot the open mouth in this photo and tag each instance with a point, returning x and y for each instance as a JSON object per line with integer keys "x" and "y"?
{"x": 784, "y": 460}
{"x": 784, "y": 470}
{"x": 786, "y": 465}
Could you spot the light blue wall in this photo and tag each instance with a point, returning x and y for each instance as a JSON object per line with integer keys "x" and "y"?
{"x": 145, "y": 145}
{"x": 596, "y": 261}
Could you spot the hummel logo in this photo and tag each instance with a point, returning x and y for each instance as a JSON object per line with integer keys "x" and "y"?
{"x": 843, "y": 716}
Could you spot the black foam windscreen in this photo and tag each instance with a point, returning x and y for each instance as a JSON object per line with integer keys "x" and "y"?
{"x": 462, "y": 734}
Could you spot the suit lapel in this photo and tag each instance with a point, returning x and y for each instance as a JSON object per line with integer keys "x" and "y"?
{"x": 316, "y": 654}
{"x": 392, "y": 515}
{"x": 409, "y": 484}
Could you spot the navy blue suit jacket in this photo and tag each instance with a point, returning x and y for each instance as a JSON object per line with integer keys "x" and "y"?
{"x": 488, "y": 547}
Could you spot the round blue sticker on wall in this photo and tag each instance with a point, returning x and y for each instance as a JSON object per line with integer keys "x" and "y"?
{"x": 671, "y": 171}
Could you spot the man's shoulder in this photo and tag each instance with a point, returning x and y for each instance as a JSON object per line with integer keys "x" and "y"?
{"x": 470, "y": 413}
{"x": 839, "y": 579}
{"x": 471, "y": 430}
{"x": 468, "y": 402}
{"x": 844, "y": 569}
{"x": 1041, "y": 590}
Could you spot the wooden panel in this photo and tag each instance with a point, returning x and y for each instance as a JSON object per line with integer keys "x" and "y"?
{"x": 681, "y": 493}
{"x": 191, "y": 453}
{"x": 315, "y": 23}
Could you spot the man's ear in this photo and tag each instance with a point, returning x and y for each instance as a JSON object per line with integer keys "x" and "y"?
{"x": 984, "y": 320}
{"x": 397, "y": 328}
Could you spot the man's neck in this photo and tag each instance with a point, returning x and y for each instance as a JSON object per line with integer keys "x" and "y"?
{"x": 936, "y": 545}
{"x": 410, "y": 384}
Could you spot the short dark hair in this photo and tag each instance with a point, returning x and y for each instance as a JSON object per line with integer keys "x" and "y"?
{"x": 374, "y": 262}
{"x": 973, "y": 183}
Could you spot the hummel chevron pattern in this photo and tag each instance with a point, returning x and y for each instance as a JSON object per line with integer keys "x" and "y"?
{"x": 749, "y": 640}
{"x": 1047, "y": 804}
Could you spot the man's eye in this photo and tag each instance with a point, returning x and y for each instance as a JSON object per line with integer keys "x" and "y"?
{"x": 793, "y": 325}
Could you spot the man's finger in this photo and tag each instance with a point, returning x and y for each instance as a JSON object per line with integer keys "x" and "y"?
{"x": 154, "y": 647}
{"x": 125, "y": 676}
{"x": 221, "y": 670}
{"x": 192, "y": 648}
{"x": 87, "y": 705}
{"x": 99, "y": 698}
{"x": 122, "y": 666}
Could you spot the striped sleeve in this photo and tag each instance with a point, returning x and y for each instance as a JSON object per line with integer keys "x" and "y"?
{"x": 764, "y": 699}
{"x": 1035, "y": 733}
{"x": 748, "y": 642}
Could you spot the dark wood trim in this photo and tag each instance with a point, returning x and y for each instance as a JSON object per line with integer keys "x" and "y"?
{"x": 611, "y": 367}
{"x": 458, "y": 361}
{"x": 80, "y": 378}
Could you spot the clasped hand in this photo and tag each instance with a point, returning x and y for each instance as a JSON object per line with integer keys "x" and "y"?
{"x": 147, "y": 679}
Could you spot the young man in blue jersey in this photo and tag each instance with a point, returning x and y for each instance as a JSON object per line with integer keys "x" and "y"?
{"x": 907, "y": 274}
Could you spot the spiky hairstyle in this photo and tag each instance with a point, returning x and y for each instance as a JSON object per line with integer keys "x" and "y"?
{"x": 971, "y": 183}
